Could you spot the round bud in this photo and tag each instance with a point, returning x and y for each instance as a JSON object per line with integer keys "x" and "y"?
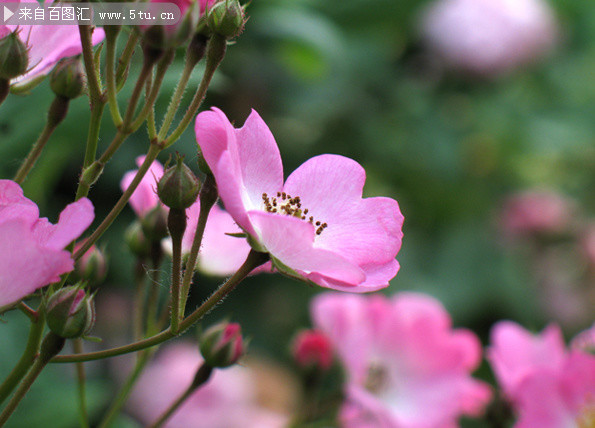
{"x": 14, "y": 57}
{"x": 68, "y": 78}
{"x": 70, "y": 312}
{"x": 137, "y": 242}
{"x": 154, "y": 224}
{"x": 179, "y": 187}
{"x": 222, "y": 345}
{"x": 226, "y": 18}
{"x": 91, "y": 267}
{"x": 312, "y": 350}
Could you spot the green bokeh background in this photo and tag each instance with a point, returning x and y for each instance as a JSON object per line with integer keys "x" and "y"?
{"x": 349, "y": 78}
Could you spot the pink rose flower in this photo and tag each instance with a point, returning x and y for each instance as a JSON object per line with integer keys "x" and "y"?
{"x": 406, "y": 366}
{"x": 316, "y": 226}
{"x": 536, "y": 212}
{"x": 489, "y": 37}
{"x": 547, "y": 385}
{"x": 31, "y": 248}
{"x": 227, "y": 400}
{"x": 220, "y": 254}
{"x": 48, "y": 44}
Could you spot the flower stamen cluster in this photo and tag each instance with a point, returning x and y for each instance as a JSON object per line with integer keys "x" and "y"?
{"x": 291, "y": 206}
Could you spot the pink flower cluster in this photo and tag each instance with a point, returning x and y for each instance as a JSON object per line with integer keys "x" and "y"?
{"x": 548, "y": 385}
{"x": 220, "y": 254}
{"x": 32, "y": 251}
{"x": 406, "y": 367}
{"x": 316, "y": 225}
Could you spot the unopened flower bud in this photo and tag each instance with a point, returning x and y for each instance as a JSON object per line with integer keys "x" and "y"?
{"x": 226, "y": 18}
{"x": 70, "y": 312}
{"x": 14, "y": 57}
{"x": 222, "y": 345}
{"x": 179, "y": 187}
{"x": 312, "y": 350}
{"x": 91, "y": 267}
{"x": 137, "y": 242}
{"x": 68, "y": 78}
{"x": 154, "y": 224}
{"x": 171, "y": 36}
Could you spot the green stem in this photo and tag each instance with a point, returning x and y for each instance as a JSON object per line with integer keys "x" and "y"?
{"x": 111, "y": 36}
{"x": 151, "y": 127}
{"x": 26, "y": 360}
{"x": 253, "y": 260}
{"x": 145, "y": 73}
{"x": 56, "y": 114}
{"x": 93, "y": 82}
{"x": 215, "y": 53}
{"x": 93, "y": 134}
{"x": 202, "y": 376}
{"x": 176, "y": 222}
{"x": 174, "y": 103}
{"x": 81, "y": 381}
{"x": 51, "y": 346}
{"x": 154, "y": 150}
{"x": 208, "y": 197}
{"x": 124, "y": 61}
{"x": 125, "y": 391}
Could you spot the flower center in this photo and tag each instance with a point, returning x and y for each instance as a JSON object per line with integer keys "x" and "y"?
{"x": 285, "y": 204}
{"x": 586, "y": 417}
{"x": 377, "y": 379}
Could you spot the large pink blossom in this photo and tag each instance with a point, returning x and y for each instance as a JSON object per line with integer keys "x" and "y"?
{"x": 489, "y": 37}
{"x": 315, "y": 225}
{"x": 548, "y": 385}
{"x": 31, "y": 248}
{"x": 227, "y": 400}
{"x": 48, "y": 44}
{"x": 220, "y": 253}
{"x": 406, "y": 366}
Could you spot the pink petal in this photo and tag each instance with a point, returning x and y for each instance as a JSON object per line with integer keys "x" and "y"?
{"x": 25, "y": 265}
{"x": 246, "y": 162}
{"x": 74, "y": 220}
{"x": 13, "y": 204}
{"x": 365, "y": 231}
{"x": 290, "y": 240}
{"x": 145, "y": 197}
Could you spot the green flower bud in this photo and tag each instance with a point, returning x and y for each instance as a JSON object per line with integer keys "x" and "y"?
{"x": 154, "y": 224}
{"x": 14, "y": 57}
{"x": 68, "y": 78}
{"x": 91, "y": 267}
{"x": 70, "y": 312}
{"x": 222, "y": 345}
{"x": 179, "y": 187}
{"x": 137, "y": 241}
{"x": 226, "y": 18}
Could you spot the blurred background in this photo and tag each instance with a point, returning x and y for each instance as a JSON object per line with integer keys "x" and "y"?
{"x": 477, "y": 116}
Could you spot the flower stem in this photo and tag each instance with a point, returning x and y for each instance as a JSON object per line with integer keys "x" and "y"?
{"x": 93, "y": 134}
{"x": 26, "y": 360}
{"x": 154, "y": 150}
{"x": 253, "y": 260}
{"x": 81, "y": 381}
{"x": 124, "y": 61}
{"x": 208, "y": 197}
{"x": 202, "y": 376}
{"x": 51, "y": 346}
{"x": 216, "y": 48}
{"x": 125, "y": 391}
{"x": 56, "y": 114}
{"x": 111, "y": 36}
{"x": 176, "y": 222}
{"x": 93, "y": 81}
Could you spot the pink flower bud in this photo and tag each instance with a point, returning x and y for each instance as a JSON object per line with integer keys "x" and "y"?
{"x": 222, "y": 345}
{"x": 312, "y": 349}
{"x": 70, "y": 312}
{"x": 91, "y": 267}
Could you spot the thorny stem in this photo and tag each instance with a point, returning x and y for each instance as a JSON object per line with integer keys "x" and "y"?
{"x": 253, "y": 260}
{"x": 124, "y": 61}
{"x": 111, "y": 36}
{"x": 81, "y": 381}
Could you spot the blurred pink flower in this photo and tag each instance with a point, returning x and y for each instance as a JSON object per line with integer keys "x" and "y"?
{"x": 312, "y": 349}
{"x": 548, "y": 386}
{"x": 227, "y": 400}
{"x": 31, "y": 248}
{"x": 220, "y": 254}
{"x": 315, "y": 226}
{"x": 48, "y": 44}
{"x": 588, "y": 245}
{"x": 489, "y": 37}
{"x": 406, "y": 366}
{"x": 536, "y": 212}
